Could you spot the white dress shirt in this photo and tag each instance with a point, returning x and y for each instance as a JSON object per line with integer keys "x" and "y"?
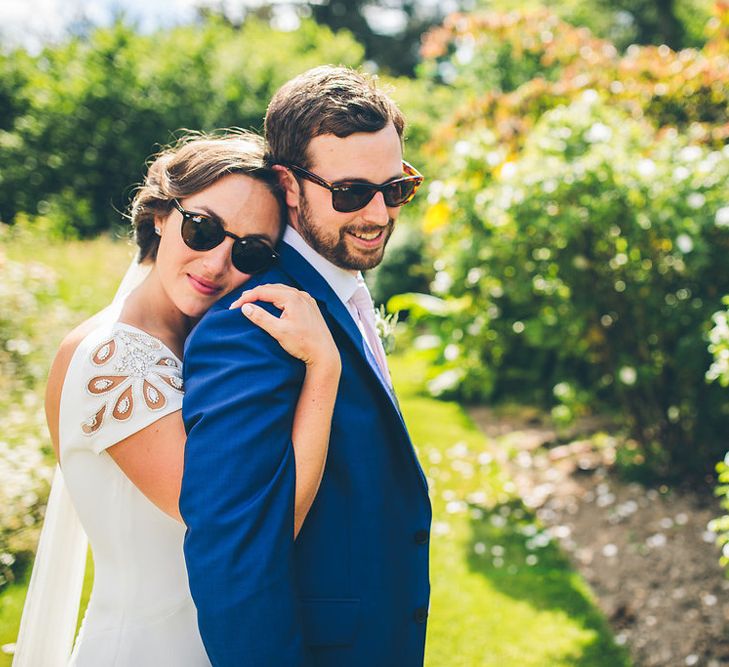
{"x": 343, "y": 282}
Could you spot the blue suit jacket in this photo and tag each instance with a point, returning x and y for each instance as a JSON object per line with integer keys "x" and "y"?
{"x": 353, "y": 589}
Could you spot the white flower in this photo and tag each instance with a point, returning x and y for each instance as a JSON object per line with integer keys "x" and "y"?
{"x": 628, "y": 375}
{"x": 508, "y": 170}
{"x": 722, "y": 217}
{"x": 695, "y": 200}
{"x": 463, "y": 148}
{"x": 442, "y": 282}
{"x": 465, "y": 51}
{"x": 427, "y": 342}
{"x": 685, "y": 243}
{"x": 451, "y": 352}
{"x": 474, "y": 275}
{"x": 598, "y": 133}
{"x": 590, "y": 96}
{"x": 680, "y": 173}
{"x": 646, "y": 167}
{"x": 689, "y": 154}
{"x": 385, "y": 324}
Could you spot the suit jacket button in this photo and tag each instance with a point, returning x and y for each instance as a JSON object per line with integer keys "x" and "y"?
{"x": 421, "y": 537}
{"x": 421, "y": 614}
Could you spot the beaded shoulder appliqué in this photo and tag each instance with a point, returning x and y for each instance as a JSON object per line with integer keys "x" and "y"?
{"x": 131, "y": 364}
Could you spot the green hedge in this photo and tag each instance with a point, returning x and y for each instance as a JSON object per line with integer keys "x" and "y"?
{"x": 581, "y": 236}
{"x": 78, "y": 120}
{"x": 719, "y": 371}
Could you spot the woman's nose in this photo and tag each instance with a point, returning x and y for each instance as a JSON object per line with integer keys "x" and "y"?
{"x": 218, "y": 260}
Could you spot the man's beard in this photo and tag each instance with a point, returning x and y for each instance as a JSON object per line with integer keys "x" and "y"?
{"x": 334, "y": 247}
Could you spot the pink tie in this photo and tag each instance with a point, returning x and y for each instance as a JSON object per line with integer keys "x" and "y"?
{"x": 362, "y": 302}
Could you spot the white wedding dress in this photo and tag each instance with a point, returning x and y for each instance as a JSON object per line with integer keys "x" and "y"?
{"x": 141, "y": 613}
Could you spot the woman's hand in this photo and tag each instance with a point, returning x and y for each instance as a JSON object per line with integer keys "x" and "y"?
{"x": 301, "y": 329}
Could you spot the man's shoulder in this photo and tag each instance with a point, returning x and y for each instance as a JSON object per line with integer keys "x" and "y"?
{"x": 270, "y": 277}
{"x": 220, "y": 323}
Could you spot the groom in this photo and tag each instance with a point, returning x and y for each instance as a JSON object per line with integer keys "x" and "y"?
{"x": 352, "y": 590}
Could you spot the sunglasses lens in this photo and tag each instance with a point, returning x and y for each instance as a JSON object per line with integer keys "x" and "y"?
{"x": 201, "y": 233}
{"x": 356, "y": 196}
{"x": 348, "y": 198}
{"x": 397, "y": 193}
{"x": 252, "y": 256}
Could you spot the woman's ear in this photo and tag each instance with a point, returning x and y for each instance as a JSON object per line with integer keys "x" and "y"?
{"x": 289, "y": 184}
{"x": 160, "y": 220}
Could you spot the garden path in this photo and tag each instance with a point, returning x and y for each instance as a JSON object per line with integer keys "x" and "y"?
{"x": 645, "y": 551}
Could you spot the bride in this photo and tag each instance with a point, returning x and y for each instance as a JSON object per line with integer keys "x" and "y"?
{"x": 207, "y": 216}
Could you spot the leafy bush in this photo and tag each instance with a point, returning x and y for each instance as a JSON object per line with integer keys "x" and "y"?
{"x": 39, "y": 306}
{"x": 580, "y": 230}
{"x": 30, "y": 313}
{"x": 594, "y": 257}
{"x": 720, "y": 526}
{"x": 404, "y": 268}
{"x": 719, "y": 338}
{"x": 498, "y": 52}
{"x": 78, "y": 120}
{"x": 514, "y": 67}
{"x": 719, "y": 371}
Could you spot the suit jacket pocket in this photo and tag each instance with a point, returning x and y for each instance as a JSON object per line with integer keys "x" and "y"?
{"x": 329, "y": 621}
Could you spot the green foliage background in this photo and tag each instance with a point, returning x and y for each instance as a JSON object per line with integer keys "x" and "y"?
{"x": 580, "y": 227}
{"x": 569, "y": 247}
{"x": 79, "y": 119}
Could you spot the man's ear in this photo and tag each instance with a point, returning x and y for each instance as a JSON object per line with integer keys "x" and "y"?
{"x": 289, "y": 184}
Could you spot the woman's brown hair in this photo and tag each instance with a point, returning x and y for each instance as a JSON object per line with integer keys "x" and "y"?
{"x": 194, "y": 162}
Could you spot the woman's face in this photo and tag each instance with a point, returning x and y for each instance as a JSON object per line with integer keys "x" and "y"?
{"x": 194, "y": 280}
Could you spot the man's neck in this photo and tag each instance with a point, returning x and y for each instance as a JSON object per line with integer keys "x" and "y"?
{"x": 342, "y": 281}
{"x": 293, "y": 226}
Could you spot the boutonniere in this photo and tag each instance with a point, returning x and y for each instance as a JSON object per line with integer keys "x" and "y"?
{"x": 385, "y": 324}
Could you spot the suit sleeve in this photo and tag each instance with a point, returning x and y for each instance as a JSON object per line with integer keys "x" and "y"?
{"x": 238, "y": 491}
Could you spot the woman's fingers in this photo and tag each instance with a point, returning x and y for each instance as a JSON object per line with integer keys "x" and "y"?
{"x": 300, "y": 330}
{"x": 269, "y": 323}
{"x": 273, "y": 293}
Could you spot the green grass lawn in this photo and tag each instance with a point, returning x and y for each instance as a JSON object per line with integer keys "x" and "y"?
{"x": 88, "y": 272}
{"x": 502, "y": 593}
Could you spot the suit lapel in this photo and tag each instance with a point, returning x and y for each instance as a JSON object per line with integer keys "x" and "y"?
{"x": 309, "y": 279}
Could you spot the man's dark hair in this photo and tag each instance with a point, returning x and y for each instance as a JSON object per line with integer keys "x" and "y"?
{"x": 325, "y": 100}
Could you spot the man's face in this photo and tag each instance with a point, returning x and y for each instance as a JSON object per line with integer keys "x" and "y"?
{"x": 354, "y": 241}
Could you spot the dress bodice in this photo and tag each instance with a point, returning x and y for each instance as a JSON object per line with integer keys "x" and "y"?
{"x": 120, "y": 381}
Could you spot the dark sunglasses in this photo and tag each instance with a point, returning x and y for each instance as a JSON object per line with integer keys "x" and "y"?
{"x": 348, "y": 196}
{"x": 250, "y": 254}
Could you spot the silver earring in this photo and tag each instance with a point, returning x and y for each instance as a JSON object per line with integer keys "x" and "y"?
{"x": 158, "y": 231}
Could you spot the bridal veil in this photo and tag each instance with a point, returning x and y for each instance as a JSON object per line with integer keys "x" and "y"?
{"x": 50, "y": 613}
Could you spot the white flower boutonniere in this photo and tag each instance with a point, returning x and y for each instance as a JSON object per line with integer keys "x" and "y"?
{"x": 386, "y": 323}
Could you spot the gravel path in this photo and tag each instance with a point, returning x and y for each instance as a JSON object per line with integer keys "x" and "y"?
{"x": 646, "y": 552}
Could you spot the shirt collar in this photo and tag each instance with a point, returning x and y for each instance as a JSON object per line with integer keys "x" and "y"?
{"x": 343, "y": 282}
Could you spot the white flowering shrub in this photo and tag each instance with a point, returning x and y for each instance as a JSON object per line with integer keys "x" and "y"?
{"x": 719, "y": 343}
{"x": 30, "y": 317}
{"x": 719, "y": 372}
{"x": 591, "y": 260}
{"x": 720, "y": 526}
